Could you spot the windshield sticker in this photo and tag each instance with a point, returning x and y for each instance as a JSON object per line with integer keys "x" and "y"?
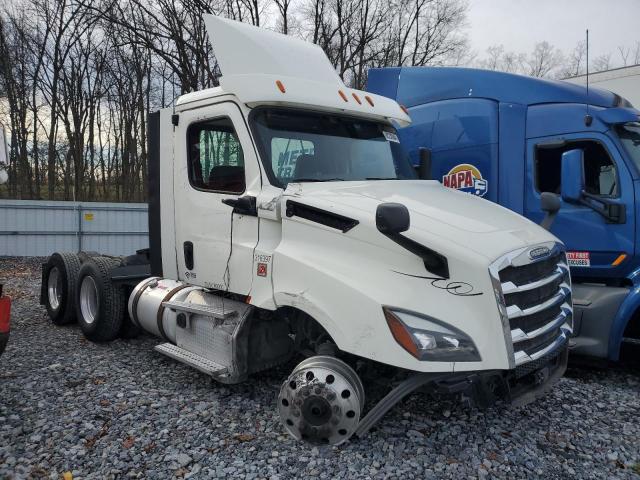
{"x": 391, "y": 137}
{"x": 466, "y": 178}
{"x": 579, "y": 259}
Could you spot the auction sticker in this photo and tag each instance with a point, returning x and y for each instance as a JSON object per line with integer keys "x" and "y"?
{"x": 391, "y": 137}
{"x": 579, "y": 259}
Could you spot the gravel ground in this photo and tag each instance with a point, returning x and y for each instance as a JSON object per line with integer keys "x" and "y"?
{"x": 121, "y": 410}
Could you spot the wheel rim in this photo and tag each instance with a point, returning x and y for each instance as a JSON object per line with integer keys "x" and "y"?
{"x": 321, "y": 401}
{"x": 88, "y": 299}
{"x": 54, "y": 288}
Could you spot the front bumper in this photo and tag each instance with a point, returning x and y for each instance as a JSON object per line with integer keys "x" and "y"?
{"x": 519, "y": 386}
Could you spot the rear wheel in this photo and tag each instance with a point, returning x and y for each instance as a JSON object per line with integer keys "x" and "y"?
{"x": 321, "y": 401}
{"x": 59, "y": 285}
{"x": 100, "y": 305}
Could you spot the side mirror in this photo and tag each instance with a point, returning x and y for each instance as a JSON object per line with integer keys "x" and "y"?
{"x": 573, "y": 191}
{"x": 572, "y": 181}
{"x": 424, "y": 167}
{"x": 550, "y": 204}
{"x": 4, "y": 157}
{"x": 392, "y": 218}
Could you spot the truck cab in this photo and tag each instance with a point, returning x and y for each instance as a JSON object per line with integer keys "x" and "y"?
{"x": 508, "y": 138}
{"x": 286, "y": 222}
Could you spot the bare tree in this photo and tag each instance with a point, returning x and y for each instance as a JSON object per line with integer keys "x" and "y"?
{"x": 283, "y": 8}
{"x": 624, "y": 54}
{"x": 575, "y": 62}
{"x": 543, "y": 60}
{"x": 499, "y": 59}
{"x": 601, "y": 63}
{"x": 79, "y": 76}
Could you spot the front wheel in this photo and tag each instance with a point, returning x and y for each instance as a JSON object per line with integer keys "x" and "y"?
{"x": 321, "y": 401}
{"x": 100, "y": 305}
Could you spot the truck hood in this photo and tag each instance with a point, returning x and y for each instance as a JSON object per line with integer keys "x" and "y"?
{"x": 439, "y": 215}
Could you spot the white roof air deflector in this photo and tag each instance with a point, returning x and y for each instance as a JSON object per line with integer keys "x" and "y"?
{"x": 252, "y": 60}
{"x": 243, "y": 49}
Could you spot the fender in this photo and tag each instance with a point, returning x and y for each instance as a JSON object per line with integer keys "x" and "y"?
{"x": 625, "y": 313}
{"x": 300, "y": 302}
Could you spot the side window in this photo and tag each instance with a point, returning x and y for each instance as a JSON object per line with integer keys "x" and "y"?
{"x": 285, "y": 153}
{"x": 216, "y": 162}
{"x": 599, "y": 169}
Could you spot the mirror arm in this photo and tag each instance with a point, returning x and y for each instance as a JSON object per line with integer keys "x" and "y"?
{"x": 548, "y": 219}
{"x": 243, "y": 205}
{"x": 423, "y": 169}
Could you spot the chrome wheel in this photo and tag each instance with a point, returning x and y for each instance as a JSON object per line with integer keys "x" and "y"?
{"x": 321, "y": 401}
{"x": 54, "y": 288}
{"x": 88, "y": 299}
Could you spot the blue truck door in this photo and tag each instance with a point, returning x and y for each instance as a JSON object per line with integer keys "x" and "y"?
{"x": 592, "y": 243}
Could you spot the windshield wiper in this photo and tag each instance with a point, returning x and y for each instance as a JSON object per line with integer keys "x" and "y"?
{"x": 382, "y": 178}
{"x": 295, "y": 180}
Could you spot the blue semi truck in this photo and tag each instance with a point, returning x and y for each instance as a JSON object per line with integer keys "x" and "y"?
{"x": 508, "y": 138}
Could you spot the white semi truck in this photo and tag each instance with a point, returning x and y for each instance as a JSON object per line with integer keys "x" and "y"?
{"x": 285, "y": 221}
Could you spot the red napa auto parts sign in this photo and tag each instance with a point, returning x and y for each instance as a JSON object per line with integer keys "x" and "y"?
{"x": 466, "y": 178}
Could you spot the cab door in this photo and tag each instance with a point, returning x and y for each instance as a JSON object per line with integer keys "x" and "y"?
{"x": 593, "y": 242}
{"x": 215, "y": 165}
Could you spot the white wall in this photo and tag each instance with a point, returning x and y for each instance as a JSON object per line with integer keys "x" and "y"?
{"x": 623, "y": 81}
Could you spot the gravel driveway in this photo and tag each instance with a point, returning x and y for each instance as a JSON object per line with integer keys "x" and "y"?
{"x": 121, "y": 410}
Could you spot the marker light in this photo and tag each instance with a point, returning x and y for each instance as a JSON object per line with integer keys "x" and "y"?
{"x": 356, "y": 98}
{"x": 429, "y": 339}
{"x": 404, "y": 109}
{"x": 280, "y": 86}
{"x": 619, "y": 260}
{"x": 400, "y": 333}
{"x": 344, "y": 97}
{"x": 368, "y": 99}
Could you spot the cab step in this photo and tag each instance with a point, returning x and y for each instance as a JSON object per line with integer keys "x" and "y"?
{"x": 193, "y": 360}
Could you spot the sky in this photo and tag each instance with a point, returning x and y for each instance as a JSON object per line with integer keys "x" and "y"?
{"x": 520, "y": 24}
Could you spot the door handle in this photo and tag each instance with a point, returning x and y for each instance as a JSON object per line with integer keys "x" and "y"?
{"x": 188, "y": 255}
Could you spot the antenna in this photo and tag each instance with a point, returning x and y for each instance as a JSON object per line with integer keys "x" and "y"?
{"x": 588, "y": 119}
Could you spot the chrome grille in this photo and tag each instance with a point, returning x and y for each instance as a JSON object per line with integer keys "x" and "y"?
{"x": 534, "y": 297}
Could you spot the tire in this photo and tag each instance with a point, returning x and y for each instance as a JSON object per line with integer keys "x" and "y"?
{"x": 59, "y": 282}
{"x": 100, "y": 305}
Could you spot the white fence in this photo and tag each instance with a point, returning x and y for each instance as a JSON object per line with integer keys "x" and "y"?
{"x": 39, "y": 228}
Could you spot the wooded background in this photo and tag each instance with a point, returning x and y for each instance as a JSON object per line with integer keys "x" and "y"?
{"x": 77, "y": 77}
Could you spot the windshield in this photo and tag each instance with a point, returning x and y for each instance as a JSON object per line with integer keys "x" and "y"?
{"x": 629, "y": 134}
{"x": 298, "y": 146}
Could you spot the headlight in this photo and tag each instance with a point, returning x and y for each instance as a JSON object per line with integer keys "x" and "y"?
{"x": 429, "y": 339}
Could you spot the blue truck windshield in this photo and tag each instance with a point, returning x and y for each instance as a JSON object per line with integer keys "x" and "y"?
{"x": 629, "y": 134}
{"x": 303, "y": 146}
